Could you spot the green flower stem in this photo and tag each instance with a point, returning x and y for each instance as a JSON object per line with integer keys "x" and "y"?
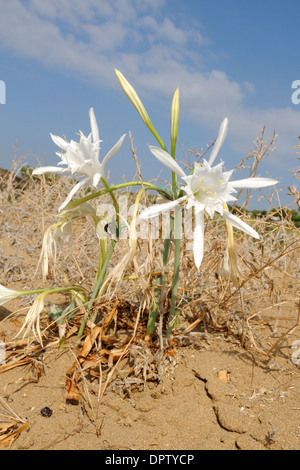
{"x": 54, "y": 290}
{"x": 151, "y": 186}
{"x": 96, "y": 288}
{"x": 116, "y": 206}
{"x": 103, "y": 270}
{"x": 103, "y": 242}
{"x": 174, "y": 185}
{"x": 135, "y": 100}
{"x": 102, "y": 255}
{"x": 163, "y": 146}
{"x": 157, "y": 137}
{"x": 167, "y": 243}
{"x": 177, "y": 234}
{"x": 154, "y": 309}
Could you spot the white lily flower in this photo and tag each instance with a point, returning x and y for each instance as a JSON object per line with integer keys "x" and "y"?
{"x": 8, "y": 294}
{"x": 32, "y": 319}
{"x": 54, "y": 238}
{"x": 207, "y": 189}
{"x": 81, "y": 158}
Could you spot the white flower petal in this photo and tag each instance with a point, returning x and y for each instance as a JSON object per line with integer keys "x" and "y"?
{"x": 97, "y": 177}
{"x": 166, "y": 159}
{"x": 59, "y": 141}
{"x": 254, "y": 182}
{"x": 219, "y": 141}
{"x": 239, "y": 224}
{"x": 32, "y": 319}
{"x": 198, "y": 245}
{"x": 7, "y": 294}
{"x": 94, "y": 125}
{"x": 114, "y": 150}
{"x": 71, "y": 194}
{"x": 46, "y": 169}
{"x": 82, "y": 157}
{"x": 159, "y": 208}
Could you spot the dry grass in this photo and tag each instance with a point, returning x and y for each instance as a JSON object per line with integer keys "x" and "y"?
{"x": 260, "y": 309}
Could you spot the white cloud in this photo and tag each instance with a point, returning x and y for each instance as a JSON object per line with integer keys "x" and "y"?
{"x": 105, "y": 37}
{"x": 91, "y": 37}
{"x": 169, "y": 32}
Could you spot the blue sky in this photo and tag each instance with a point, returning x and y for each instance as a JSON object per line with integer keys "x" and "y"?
{"x": 235, "y": 58}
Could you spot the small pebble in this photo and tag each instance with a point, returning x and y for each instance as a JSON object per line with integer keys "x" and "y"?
{"x": 46, "y": 412}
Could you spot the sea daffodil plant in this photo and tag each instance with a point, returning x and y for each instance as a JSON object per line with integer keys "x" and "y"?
{"x": 207, "y": 188}
{"x": 81, "y": 158}
{"x": 32, "y": 319}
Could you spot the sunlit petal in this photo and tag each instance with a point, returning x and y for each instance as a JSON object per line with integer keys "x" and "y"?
{"x": 114, "y": 150}
{"x": 207, "y": 189}
{"x": 71, "y": 194}
{"x": 166, "y": 159}
{"x": 46, "y": 169}
{"x": 94, "y": 125}
{"x": 96, "y": 178}
{"x": 7, "y": 294}
{"x": 157, "y": 209}
{"x": 32, "y": 319}
{"x": 59, "y": 141}
{"x": 219, "y": 141}
{"x": 238, "y": 223}
{"x": 254, "y": 183}
{"x": 81, "y": 158}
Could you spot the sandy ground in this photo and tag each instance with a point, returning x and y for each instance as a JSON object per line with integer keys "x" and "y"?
{"x": 213, "y": 395}
{"x": 258, "y": 408}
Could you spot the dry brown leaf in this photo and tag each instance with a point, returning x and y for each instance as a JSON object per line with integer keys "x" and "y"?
{"x": 72, "y": 390}
{"x": 9, "y": 433}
